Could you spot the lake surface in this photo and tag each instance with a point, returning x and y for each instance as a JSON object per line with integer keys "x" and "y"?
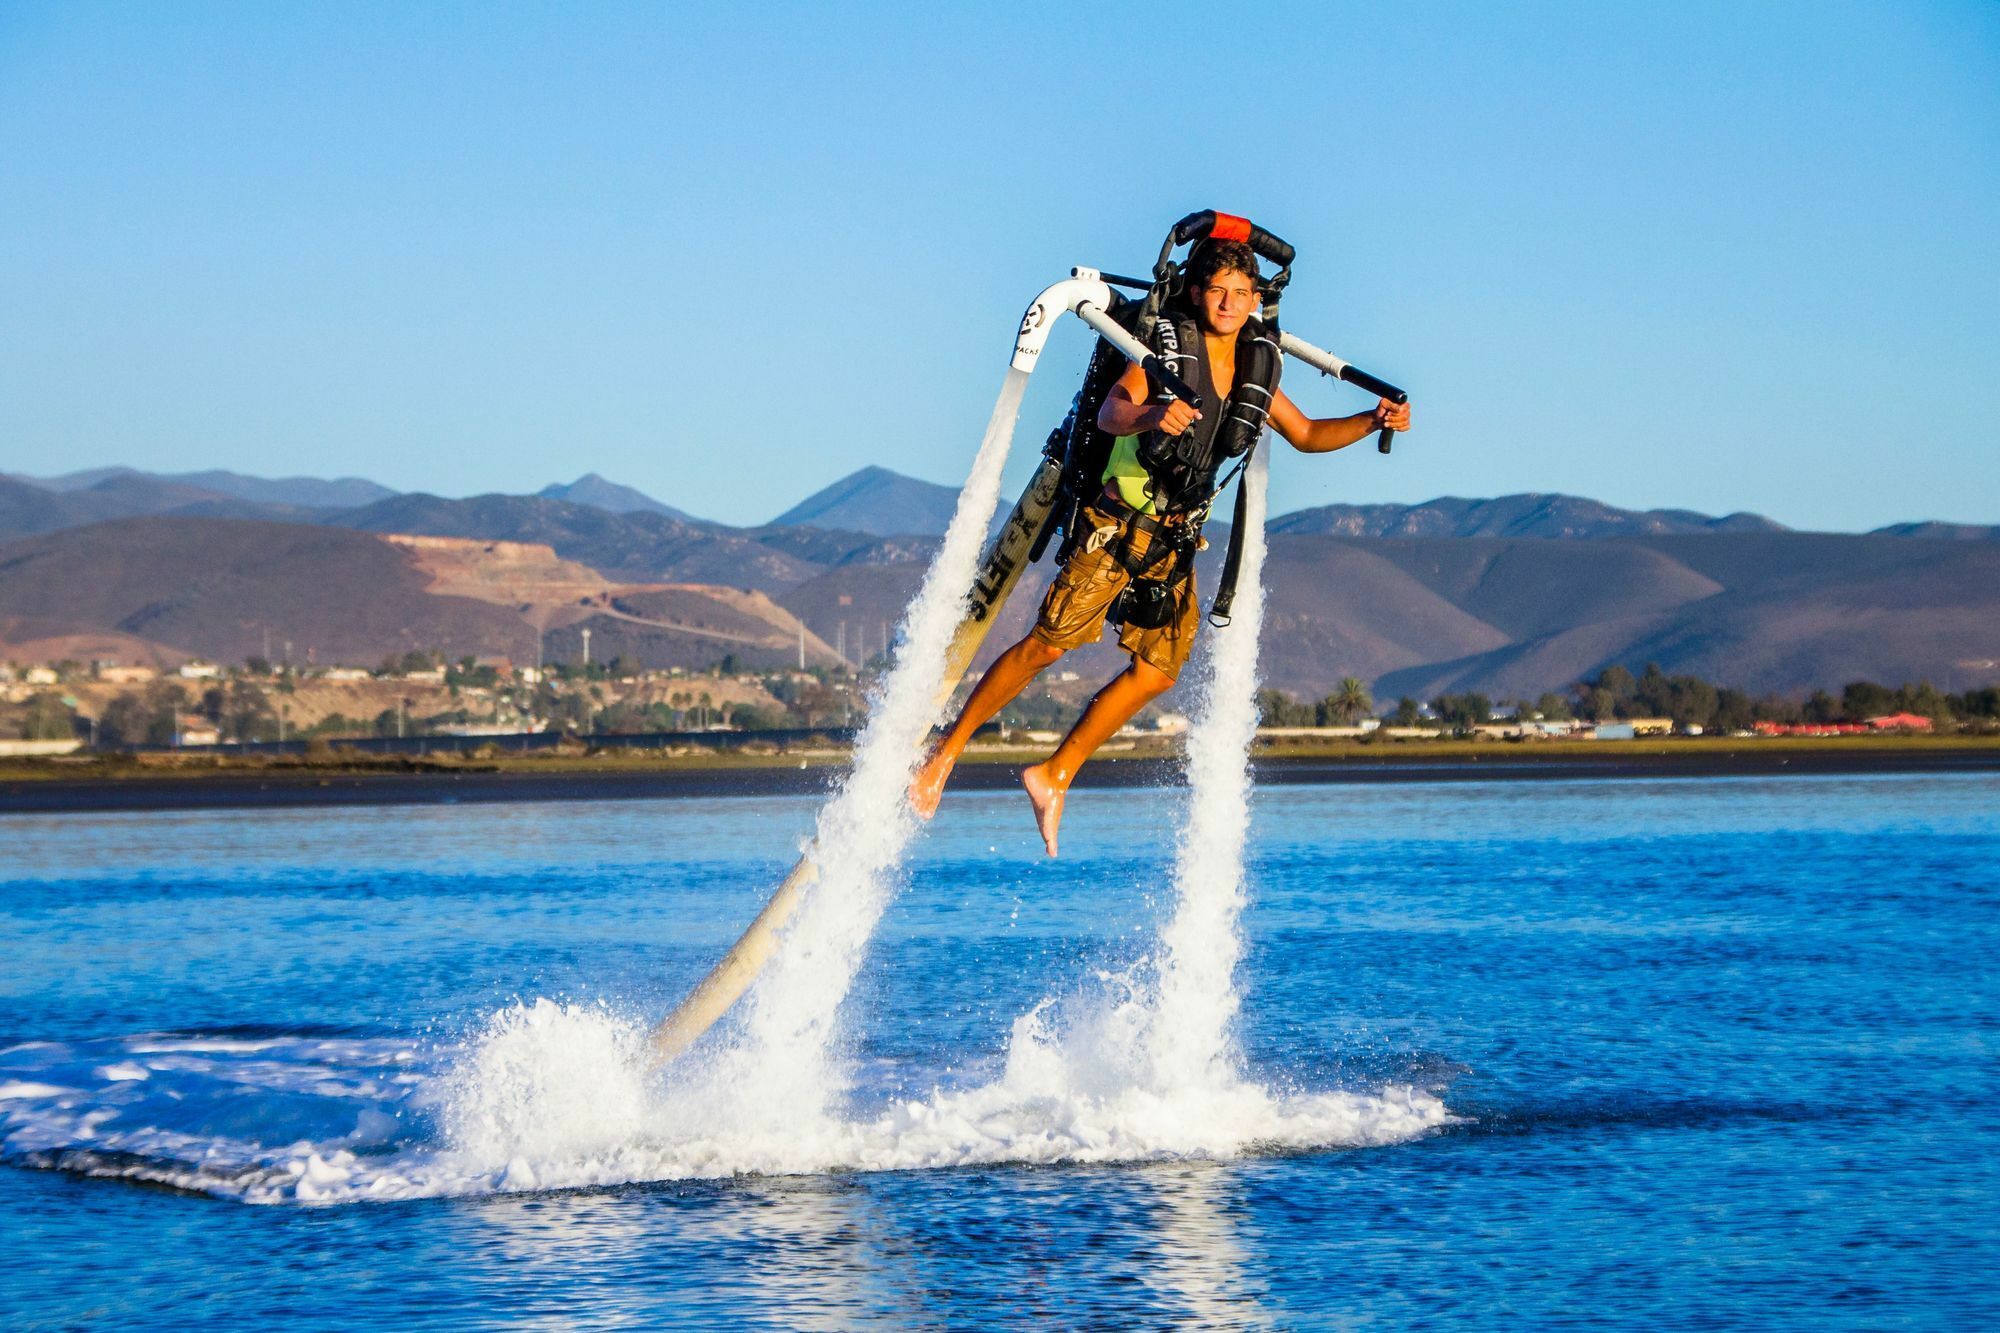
{"x": 1690, "y": 1053}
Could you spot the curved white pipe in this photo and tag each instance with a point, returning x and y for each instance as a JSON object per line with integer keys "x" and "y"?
{"x": 1083, "y": 288}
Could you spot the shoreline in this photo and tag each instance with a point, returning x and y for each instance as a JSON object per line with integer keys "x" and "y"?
{"x": 192, "y": 786}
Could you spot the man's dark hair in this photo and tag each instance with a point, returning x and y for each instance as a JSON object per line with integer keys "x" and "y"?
{"x": 1214, "y": 257}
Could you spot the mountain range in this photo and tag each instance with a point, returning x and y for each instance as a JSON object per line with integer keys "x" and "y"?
{"x": 1509, "y": 596}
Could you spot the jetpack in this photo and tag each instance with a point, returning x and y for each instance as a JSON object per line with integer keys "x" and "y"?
{"x": 1135, "y": 330}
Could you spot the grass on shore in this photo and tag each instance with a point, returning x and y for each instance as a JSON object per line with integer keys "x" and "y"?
{"x": 753, "y": 755}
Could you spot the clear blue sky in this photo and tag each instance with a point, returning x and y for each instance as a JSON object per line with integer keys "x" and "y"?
{"x": 1715, "y": 256}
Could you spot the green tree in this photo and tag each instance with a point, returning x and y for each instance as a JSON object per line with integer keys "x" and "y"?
{"x": 1618, "y": 682}
{"x": 621, "y": 719}
{"x": 243, "y": 712}
{"x": 1348, "y": 704}
{"x": 749, "y": 717}
{"x": 1462, "y": 712}
{"x": 1553, "y": 708}
{"x": 1408, "y": 712}
{"x": 126, "y": 721}
{"x": 1863, "y": 699}
{"x": 1982, "y": 703}
{"x": 1734, "y": 711}
{"x": 1925, "y": 700}
{"x": 1275, "y": 708}
{"x": 48, "y": 719}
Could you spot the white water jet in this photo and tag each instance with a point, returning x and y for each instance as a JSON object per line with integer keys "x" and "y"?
{"x": 783, "y": 1059}
{"x": 1201, "y": 944}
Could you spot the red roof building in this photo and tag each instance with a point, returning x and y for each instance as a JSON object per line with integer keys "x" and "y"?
{"x": 1900, "y": 722}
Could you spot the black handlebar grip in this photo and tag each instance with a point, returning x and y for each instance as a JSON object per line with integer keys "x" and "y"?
{"x": 1381, "y": 388}
{"x": 1175, "y": 385}
{"x": 1269, "y": 246}
{"x": 1361, "y": 379}
{"x": 1193, "y": 225}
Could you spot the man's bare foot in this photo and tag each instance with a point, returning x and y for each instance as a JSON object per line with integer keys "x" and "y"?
{"x": 1048, "y": 801}
{"x": 927, "y": 787}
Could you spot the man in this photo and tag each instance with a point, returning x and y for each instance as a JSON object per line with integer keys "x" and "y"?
{"x": 1122, "y": 535}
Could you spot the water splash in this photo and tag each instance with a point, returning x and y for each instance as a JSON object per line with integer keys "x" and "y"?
{"x": 1202, "y": 943}
{"x": 783, "y": 1064}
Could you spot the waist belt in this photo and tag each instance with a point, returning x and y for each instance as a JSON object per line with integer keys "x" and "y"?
{"x": 1176, "y": 538}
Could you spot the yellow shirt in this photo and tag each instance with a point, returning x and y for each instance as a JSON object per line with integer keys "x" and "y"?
{"x": 1124, "y": 472}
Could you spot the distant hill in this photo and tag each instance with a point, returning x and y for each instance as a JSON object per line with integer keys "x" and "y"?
{"x": 1956, "y": 532}
{"x": 591, "y": 489}
{"x": 877, "y": 501}
{"x": 217, "y": 587}
{"x": 1790, "y": 611}
{"x": 1510, "y": 596}
{"x": 638, "y": 547}
{"x": 823, "y": 546}
{"x": 27, "y": 508}
{"x": 1565, "y": 517}
{"x": 1512, "y": 617}
{"x": 157, "y": 589}
{"x": 297, "y": 492}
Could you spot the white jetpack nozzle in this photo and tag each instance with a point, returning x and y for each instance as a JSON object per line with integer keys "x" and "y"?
{"x": 1082, "y": 288}
{"x": 1086, "y": 294}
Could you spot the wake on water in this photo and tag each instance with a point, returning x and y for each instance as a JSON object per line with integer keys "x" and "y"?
{"x": 550, "y": 1095}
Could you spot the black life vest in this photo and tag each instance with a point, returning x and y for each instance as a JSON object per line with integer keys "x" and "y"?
{"x": 1183, "y": 468}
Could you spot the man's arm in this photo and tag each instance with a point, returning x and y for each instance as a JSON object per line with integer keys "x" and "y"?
{"x": 1126, "y": 411}
{"x": 1322, "y": 435}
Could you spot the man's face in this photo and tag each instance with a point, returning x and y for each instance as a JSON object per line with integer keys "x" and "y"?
{"x": 1229, "y": 299}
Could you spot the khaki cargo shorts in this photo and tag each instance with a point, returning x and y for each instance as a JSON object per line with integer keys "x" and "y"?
{"x": 1072, "y": 613}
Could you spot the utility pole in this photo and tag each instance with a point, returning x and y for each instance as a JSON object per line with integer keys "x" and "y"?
{"x": 802, "y": 645}
{"x": 586, "y": 648}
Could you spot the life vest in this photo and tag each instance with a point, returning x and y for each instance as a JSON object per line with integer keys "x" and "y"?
{"x": 1182, "y": 471}
{"x": 1183, "y": 468}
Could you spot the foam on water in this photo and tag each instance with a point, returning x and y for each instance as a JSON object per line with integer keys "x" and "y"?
{"x": 1124, "y": 1066}
{"x": 552, "y": 1096}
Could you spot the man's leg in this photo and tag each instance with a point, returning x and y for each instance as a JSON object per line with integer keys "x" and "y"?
{"x": 1007, "y": 677}
{"x": 1114, "y": 705}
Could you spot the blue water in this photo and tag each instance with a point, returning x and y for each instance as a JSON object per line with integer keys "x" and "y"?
{"x": 1716, "y": 1053}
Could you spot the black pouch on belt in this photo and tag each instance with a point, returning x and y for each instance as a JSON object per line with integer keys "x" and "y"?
{"x": 1144, "y": 604}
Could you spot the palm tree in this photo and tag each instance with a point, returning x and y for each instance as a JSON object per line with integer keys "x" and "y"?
{"x": 1351, "y": 700}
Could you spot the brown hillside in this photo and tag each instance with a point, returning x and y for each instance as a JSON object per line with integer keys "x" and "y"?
{"x": 216, "y": 588}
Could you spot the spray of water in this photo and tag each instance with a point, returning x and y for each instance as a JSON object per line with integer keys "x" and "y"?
{"x": 1201, "y": 944}
{"x": 862, "y": 832}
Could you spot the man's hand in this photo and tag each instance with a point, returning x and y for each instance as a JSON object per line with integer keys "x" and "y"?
{"x": 1174, "y": 417}
{"x": 1392, "y": 416}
